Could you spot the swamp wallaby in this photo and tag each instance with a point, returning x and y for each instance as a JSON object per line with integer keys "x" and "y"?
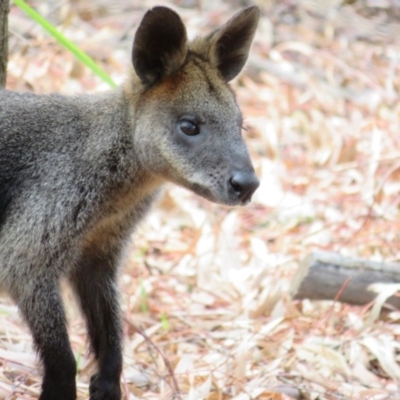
{"x": 78, "y": 173}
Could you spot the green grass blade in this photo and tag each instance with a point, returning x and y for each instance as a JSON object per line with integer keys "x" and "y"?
{"x": 164, "y": 322}
{"x": 71, "y": 47}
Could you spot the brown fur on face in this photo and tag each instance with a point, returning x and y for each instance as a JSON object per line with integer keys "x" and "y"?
{"x": 78, "y": 173}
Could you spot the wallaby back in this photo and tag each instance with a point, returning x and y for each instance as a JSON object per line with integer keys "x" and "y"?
{"x": 78, "y": 173}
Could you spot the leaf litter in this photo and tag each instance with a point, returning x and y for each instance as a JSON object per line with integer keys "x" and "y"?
{"x": 205, "y": 288}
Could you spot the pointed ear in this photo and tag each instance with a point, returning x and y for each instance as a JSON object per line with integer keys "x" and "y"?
{"x": 231, "y": 43}
{"x": 160, "y": 45}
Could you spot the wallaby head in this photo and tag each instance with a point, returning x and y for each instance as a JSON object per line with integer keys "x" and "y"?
{"x": 187, "y": 121}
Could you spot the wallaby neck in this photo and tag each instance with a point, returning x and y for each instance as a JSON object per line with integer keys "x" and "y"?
{"x": 112, "y": 146}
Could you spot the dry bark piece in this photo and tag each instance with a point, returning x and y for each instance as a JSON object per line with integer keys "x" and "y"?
{"x": 289, "y": 391}
{"x": 329, "y": 276}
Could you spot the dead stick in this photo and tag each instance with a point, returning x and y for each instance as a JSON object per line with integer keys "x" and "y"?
{"x": 330, "y": 276}
{"x": 168, "y": 365}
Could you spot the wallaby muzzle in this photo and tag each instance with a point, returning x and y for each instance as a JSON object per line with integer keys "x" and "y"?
{"x": 243, "y": 184}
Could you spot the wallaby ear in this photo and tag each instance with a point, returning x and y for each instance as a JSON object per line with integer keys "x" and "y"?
{"x": 160, "y": 45}
{"x": 233, "y": 40}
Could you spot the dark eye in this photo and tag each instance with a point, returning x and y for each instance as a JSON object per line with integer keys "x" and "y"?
{"x": 189, "y": 128}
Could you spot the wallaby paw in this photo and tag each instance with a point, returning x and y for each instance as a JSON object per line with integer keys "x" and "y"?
{"x": 101, "y": 389}
{"x": 52, "y": 390}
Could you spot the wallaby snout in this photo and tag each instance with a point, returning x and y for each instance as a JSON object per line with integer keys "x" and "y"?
{"x": 243, "y": 185}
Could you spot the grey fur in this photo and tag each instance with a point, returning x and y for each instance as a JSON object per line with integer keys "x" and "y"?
{"x": 78, "y": 173}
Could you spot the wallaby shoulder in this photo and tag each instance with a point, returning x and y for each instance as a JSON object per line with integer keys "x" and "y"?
{"x": 57, "y": 147}
{"x": 57, "y": 114}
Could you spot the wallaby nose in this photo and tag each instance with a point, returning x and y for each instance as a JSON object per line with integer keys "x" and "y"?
{"x": 244, "y": 185}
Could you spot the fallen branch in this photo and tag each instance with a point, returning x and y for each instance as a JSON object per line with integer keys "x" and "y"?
{"x": 330, "y": 276}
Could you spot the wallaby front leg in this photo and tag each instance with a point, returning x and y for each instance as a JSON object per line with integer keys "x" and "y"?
{"x": 41, "y": 306}
{"x": 95, "y": 284}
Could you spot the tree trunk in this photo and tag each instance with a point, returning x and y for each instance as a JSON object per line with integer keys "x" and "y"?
{"x": 4, "y": 9}
{"x": 329, "y": 276}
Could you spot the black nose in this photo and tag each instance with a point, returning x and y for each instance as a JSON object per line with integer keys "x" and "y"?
{"x": 244, "y": 184}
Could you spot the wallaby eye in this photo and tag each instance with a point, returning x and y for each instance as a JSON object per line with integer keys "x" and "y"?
{"x": 189, "y": 128}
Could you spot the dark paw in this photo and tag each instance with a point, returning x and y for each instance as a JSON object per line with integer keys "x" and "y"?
{"x": 58, "y": 389}
{"x": 103, "y": 389}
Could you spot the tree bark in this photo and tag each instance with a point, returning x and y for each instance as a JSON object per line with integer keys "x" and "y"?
{"x": 4, "y": 9}
{"x": 329, "y": 276}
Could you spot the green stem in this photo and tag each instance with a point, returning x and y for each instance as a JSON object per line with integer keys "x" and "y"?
{"x": 76, "y": 51}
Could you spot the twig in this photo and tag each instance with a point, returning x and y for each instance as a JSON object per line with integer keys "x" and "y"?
{"x": 174, "y": 386}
